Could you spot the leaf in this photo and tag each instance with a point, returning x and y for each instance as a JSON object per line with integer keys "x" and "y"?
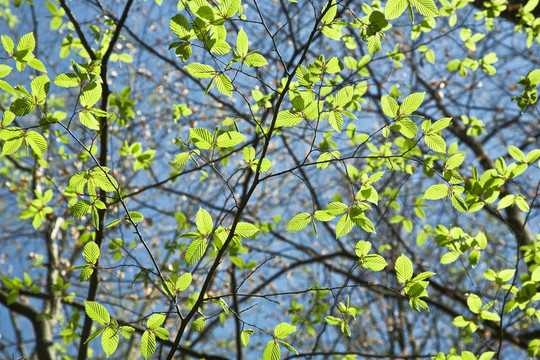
{"x": 411, "y": 103}
{"x": 148, "y": 344}
{"x": 450, "y": 257}
{"x": 288, "y": 347}
{"x": 195, "y": 251}
{"x": 8, "y": 44}
{"x": 97, "y": 312}
{"x": 283, "y": 330}
{"x": 373, "y": 262}
{"x": 344, "y": 225}
{"x": 91, "y": 252}
{"x": 242, "y": 43}
{"x": 183, "y": 282}
{"x": 298, "y": 222}
{"x": 394, "y": 8}
{"x": 40, "y": 87}
{"x": 155, "y": 320}
{"x": 67, "y": 80}
{"x": 425, "y": 7}
{"x": 180, "y": 26}
{"x": 230, "y": 138}
{"x": 22, "y": 107}
{"x": 330, "y": 11}
{"x": 332, "y": 320}
{"x": 404, "y": 268}
{"x": 109, "y": 341}
{"x": 389, "y": 106}
{"x": 27, "y": 42}
{"x": 37, "y": 142}
{"x": 91, "y": 94}
{"x": 162, "y": 333}
{"x": 362, "y": 248}
{"x": 87, "y": 119}
{"x": 204, "y": 222}
{"x": 224, "y": 85}
{"x": 435, "y": 143}
{"x": 255, "y": 60}
{"x": 454, "y": 161}
{"x": 288, "y": 118}
{"x": 200, "y": 71}
{"x": 272, "y": 351}
{"x": 202, "y": 138}
{"x": 407, "y": 128}
{"x": 244, "y": 337}
{"x": 474, "y": 303}
{"x": 436, "y": 192}
{"x": 198, "y": 324}
{"x": 126, "y": 331}
{"x": 244, "y": 229}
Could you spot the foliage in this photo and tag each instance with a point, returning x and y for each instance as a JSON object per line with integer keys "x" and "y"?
{"x": 270, "y": 179}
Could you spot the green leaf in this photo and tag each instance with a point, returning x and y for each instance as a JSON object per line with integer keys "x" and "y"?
{"x": 97, "y": 312}
{"x": 22, "y": 107}
{"x": 4, "y": 70}
{"x": 37, "y": 142}
{"x": 126, "y": 331}
{"x": 407, "y": 128}
{"x": 436, "y": 192}
{"x": 242, "y": 43}
{"x": 255, "y": 60}
{"x": 272, "y": 351}
{"x": 441, "y": 124}
{"x": 183, "y": 282}
{"x": 411, "y": 103}
{"x": 155, "y": 320}
{"x": 91, "y": 252}
{"x": 450, "y": 257}
{"x": 425, "y": 7}
{"x": 330, "y": 11}
{"x": 180, "y": 26}
{"x": 474, "y": 303}
{"x": 204, "y": 222}
{"x": 202, "y": 138}
{"x": 332, "y": 320}
{"x": 344, "y": 225}
{"x": 40, "y": 87}
{"x": 67, "y": 80}
{"x": 195, "y": 251}
{"x": 230, "y": 138}
{"x": 27, "y": 42}
{"x": 336, "y": 120}
{"x": 244, "y": 337}
{"x": 362, "y": 248}
{"x": 389, "y": 106}
{"x": 198, "y": 324}
{"x": 435, "y": 142}
{"x": 288, "y": 347}
{"x": 162, "y": 333}
{"x": 8, "y": 44}
{"x": 244, "y": 229}
{"x": 109, "y": 341}
{"x": 288, "y": 118}
{"x": 394, "y": 8}
{"x": 454, "y": 161}
{"x": 200, "y": 71}
{"x": 299, "y": 222}
{"x": 224, "y": 84}
{"x": 404, "y": 268}
{"x": 283, "y": 330}
{"x": 91, "y": 94}
{"x": 148, "y": 344}
{"x": 87, "y": 119}
{"x": 373, "y": 262}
